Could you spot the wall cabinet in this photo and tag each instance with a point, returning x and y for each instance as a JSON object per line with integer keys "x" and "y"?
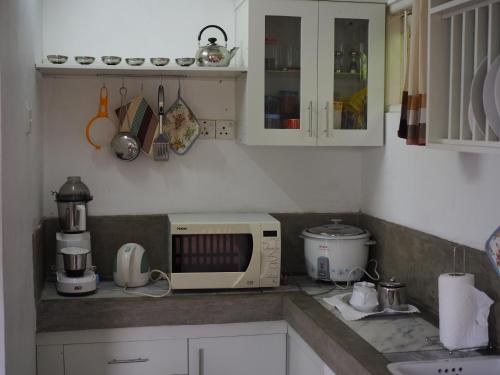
{"x": 315, "y": 73}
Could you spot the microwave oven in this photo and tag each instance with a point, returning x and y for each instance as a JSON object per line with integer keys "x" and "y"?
{"x": 212, "y": 251}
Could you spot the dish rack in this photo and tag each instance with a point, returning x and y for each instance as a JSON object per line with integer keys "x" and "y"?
{"x": 462, "y": 35}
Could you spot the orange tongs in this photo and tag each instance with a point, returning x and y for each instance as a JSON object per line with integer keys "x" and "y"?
{"x": 102, "y": 112}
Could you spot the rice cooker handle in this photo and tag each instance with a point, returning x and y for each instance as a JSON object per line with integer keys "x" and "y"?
{"x": 336, "y": 221}
{"x": 370, "y": 242}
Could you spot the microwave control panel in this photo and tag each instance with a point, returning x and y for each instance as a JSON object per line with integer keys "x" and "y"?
{"x": 271, "y": 256}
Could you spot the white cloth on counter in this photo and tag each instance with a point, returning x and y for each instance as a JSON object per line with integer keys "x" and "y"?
{"x": 350, "y": 313}
{"x": 463, "y": 312}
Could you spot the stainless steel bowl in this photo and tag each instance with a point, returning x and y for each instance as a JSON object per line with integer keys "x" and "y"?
{"x": 84, "y": 60}
{"x": 75, "y": 260}
{"x": 111, "y": 60}
{"x": 185, "y": 61}
{"x": 135, "y": 61}
{"x": 159, "y": 61}
{"x": 57, "y": 59}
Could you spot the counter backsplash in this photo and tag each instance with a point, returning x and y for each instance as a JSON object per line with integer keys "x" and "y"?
{"x": 411, "y": 256}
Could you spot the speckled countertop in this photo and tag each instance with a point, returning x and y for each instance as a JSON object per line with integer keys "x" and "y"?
{"x": 347, "y": 347}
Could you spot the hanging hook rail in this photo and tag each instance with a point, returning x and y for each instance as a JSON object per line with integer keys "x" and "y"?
{"x": 161, "y": 76}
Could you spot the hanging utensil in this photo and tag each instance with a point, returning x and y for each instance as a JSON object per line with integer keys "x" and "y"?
{"x": 102, "y": 112}
{"x": 125, "y": 145}
{"x": 182, "y": 126}
{"x": 160, "y": 144}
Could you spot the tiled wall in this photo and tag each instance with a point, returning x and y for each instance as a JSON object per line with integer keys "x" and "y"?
{"x": 413, "y": 257}
{"x": 418, "y": 259}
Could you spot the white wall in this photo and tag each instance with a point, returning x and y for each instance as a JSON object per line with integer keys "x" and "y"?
{"x": 132, "y": 28}
{"x": 215, "y": 175}
{"x": 449, "y": 194}
{"x": 21, "y": 158}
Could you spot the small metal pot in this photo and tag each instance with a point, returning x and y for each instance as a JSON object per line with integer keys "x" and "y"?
{"x": 75, "y": 260}
{"x": 392, "y": 295}
{"x": 72, "y": 201}
{"x": 72, "y": 216}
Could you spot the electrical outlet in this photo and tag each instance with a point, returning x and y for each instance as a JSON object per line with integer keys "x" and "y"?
{"x": 207, "y": 129}
{"x": 224, "y": 129}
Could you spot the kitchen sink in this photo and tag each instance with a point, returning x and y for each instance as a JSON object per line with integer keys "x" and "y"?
{"x": 486, "y": 365}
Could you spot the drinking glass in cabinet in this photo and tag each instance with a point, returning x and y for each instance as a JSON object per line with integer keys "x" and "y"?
{"x": 350, "y": 92}
{"x": 282, "y": 72}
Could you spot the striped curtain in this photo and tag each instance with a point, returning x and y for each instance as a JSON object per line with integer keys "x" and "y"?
{"x": 412, "y": 125}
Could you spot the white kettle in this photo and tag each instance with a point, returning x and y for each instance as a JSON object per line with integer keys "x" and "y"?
{"x": 131, "y": 266}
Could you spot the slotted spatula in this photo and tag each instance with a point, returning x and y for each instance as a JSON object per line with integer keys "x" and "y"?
{"x": 160, "y": 144}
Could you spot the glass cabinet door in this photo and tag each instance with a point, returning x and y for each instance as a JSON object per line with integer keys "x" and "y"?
{"x": 286, "y": 48}
{"x": 351, "y": 74}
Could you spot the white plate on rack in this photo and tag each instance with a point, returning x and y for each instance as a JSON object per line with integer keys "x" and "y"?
{"x": 489, "y": 102}
{"x": 476, "y": 108}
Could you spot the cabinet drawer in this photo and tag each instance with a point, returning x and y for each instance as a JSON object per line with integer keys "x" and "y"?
{"x": 165, "y": 357}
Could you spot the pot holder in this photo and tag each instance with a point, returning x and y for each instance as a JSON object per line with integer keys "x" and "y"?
{"x": 182, "y": 127}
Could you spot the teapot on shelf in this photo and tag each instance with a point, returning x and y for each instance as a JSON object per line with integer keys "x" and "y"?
{"x": 214, "y": 54}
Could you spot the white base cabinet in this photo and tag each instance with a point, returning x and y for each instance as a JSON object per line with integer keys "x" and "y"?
{"x": 301, "y": 359}
{"x": 216, "y": 349}
{"x": 168, "y": 357}
{"x": 259, "y": 348}
{"x": 243, "y": 355}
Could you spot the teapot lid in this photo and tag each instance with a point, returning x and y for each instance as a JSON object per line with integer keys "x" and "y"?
{"x": 392, "y": 283}
{"x": 73, "y": 190}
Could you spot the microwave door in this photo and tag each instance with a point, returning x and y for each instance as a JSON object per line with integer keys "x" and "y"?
{"x": 215, "y": 260}
{"x": 211, "y": 253}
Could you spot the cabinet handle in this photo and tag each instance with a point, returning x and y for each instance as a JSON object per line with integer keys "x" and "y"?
{"x": 310, "y": 109}
{"x": 201, "y": 370}
{"x": 327, "y": 109}
{"x": 133, "y": 360}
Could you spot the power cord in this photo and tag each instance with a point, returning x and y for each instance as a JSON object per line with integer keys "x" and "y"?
{"x": 337, "y": 286}
{"x": 161, "y": 276}
{"x": 376, "y": 278}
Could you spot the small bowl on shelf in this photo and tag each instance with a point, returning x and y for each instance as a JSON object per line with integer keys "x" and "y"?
{"x": 111, "y": 60}
{"x": 84, "y": 60}
{"x": 185, "y": 61}
{"x": 159, "y": 61}
{"x": 57, "y": 59}
{"x": 135, "y": 61}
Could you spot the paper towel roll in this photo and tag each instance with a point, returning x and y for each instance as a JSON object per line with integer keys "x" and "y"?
{"x": 463, "y": 312}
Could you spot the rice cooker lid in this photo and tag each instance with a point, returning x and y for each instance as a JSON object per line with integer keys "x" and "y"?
{"x": 336, "y": 231}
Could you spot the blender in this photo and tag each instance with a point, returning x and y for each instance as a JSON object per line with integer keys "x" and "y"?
{"x": 74, "y": 269}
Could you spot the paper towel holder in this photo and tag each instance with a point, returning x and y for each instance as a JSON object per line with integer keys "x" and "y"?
{"x": 434, "y": 340}
{"x": 455, "y": 273}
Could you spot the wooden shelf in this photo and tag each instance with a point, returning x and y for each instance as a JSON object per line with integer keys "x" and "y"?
{"x": 122, "y": 69}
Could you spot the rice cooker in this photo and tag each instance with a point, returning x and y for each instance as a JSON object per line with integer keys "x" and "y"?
{"x": 333, "y": 250}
